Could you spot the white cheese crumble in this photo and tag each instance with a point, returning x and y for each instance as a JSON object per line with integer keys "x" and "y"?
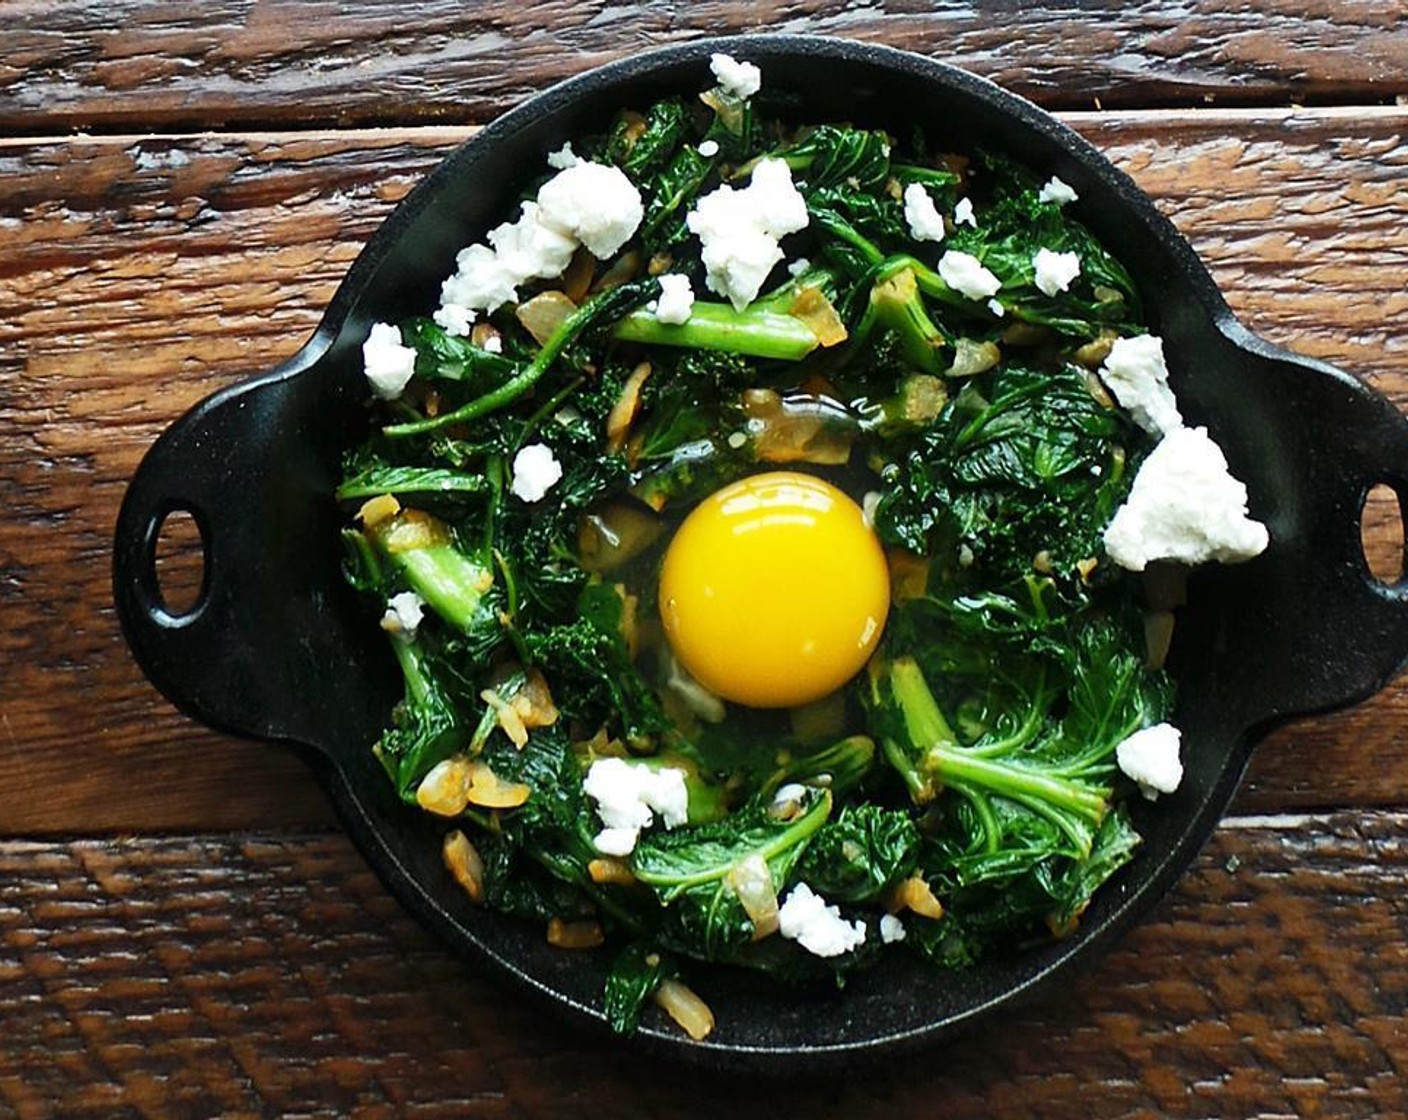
{"x": 965, "y": 274}
{"x": 963, "y": 213}
{"x": 891, "y": 929}
{"x": 676, "y": 302}
{"x": 797, "y": 267}
{"x": 740, "y": 80}
{"x": 1055, "y": 271}
{"x": 493, "y": 344}
{"x": 788, "y": 795}
{"x": 995, "y": 306}
{"x": 1150, "y": 757}
{"x": 454, "y": 319}
{"x": 480, "y": 281}
{"x": 1058, "y": 191}
{"x": 709, "y": 148}
{"x": 806, "y": 919}
{"x": 563, "y": 158}
{"x": 739, "y": 230}
{"x": 1136, "y": 373}
{"x": 921, "y": 215}
{"x": 387, "y": 363}
{"x": 535, "y": 472}
{"x": 594, "y": 203}
{"x": 404, "y": 611}
{"x": 627, "y": 798}
{"x": 1184, "y": 506}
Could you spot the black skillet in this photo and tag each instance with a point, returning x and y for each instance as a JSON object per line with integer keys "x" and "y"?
{"x": 278, "y": 648}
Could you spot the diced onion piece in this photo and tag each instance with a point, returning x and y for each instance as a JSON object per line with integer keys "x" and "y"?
{"x": 533, "y": 701}
{"x": 916, "y": 895}
{"x": 445, "y": 790}
{"x": 465, "y": 864}
{"x": 1158, "y": 637}
{"x": 1097, "y": 390}
{"x": 577, "y": 280}
{"x": 410, "y": 530}
{"x": 1087, "y": 567}
{"x": 376, "y": 510}
{"x": 621, "y": 271}
{"x": 614, "y": 534}
{"x": 793, "y": 432}
{"x": 751, "y": 881}
{"x": 1165, "y": 586}
{"x": 817, "y": 312}
{"x": 544, "y": 313}
{"x": 686, "y": 1008}
{"x": 909, "y": 575}
{"x": 580, "y": 934}
{"x": 610, "y": 869}
{"x": 489, "y": 791}
{"x": 1093, "y": 353}
{"x": 509, "y": 719}
{"x": 486, "y": 337}
{"x": 623, "y": 412}
{"x": 972, "y": 357}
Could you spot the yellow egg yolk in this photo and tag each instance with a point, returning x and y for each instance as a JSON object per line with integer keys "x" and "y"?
{"x": 774, "y": 590}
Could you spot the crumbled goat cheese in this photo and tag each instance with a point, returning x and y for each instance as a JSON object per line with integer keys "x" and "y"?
{"x": 454, "y": 319}
{"x": 739, "y": 230}
{"x": 1136, "y": 373}
{"x": 891, "y": 929}
{"x": 995, "y": 306}
{"x": 1184, "y": 506}
{"x": 1057, "y": 191}
{"x": 403, "y": 613}
{"x": 535, "y": 472}
{"x": 807, "y": 919}
{"x": 594, "y": 203}
{"x": 480, "y": 281}
{"x": 709, "y": 148}
{"x": 563, "y": 158}
{"x": 1150, "y": 757}
{"x": 387, "y": 363}
{"x": 963, "y": 213}
{"x": 628, "y": 795}
{"x": 1055, "y": 271}
{"x": 965, "y": 274}
{"x": 797, "y": 267}
{"x": 530, "y": 248}
{"x": 921, "y": 215}
{"x": 737, "y": 79}
{"x": 493, "y": 344}
{"x": 676, "y": 302}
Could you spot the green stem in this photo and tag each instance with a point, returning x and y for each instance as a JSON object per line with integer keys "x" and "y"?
{"x": 526, "y": 378}
{"x": 755, "y": 331}
{"x": 451, "y": 582}
{"x": 1021, "y": 783}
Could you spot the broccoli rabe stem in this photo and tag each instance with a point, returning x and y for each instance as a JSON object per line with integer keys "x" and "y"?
{"x": 599, "y": 306}
{"x": 755, "y": 331}
{"x": 935, "y": 756}
{"x": 452, "y": 582}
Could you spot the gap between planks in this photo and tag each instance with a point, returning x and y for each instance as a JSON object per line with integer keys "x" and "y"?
{"x": 1358, "y": 114}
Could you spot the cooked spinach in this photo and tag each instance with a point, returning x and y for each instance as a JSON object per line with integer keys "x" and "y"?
{"x": 973, "y": 759}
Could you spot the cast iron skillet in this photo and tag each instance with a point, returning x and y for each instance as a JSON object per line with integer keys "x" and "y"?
{"x": 278, "y": 648}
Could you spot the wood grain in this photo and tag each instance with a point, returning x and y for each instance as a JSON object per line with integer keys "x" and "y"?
{"x": 234, "y": 63}
{"x": 268, "y": 975}
{"x": 139, "y": 274}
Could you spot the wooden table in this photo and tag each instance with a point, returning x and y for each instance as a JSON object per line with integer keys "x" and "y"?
{"x": 183, "y": 929}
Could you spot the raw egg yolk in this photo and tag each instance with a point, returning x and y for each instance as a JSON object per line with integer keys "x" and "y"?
{"x": 774, "y": 590}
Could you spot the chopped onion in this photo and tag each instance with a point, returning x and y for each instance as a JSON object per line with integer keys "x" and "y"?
{"x": 465, "y": 864}
{"x": 581, "y": 934}
{"x": 489, "y": 791}
{"x": 544, "y": 313}
{"x": 1158, "y": 637}
{"x": 683, "y": 1006}
{"x": 444, "y": 791}
{"x": 623, "y": 412}
{"x": 817, "y": 312}
{"x": 751, "y": 880}
{"x": 614, "y": 534}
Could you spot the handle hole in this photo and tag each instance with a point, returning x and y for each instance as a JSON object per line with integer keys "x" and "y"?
{"x": 180, "y": 563}
{"x": 1381, "y": 534}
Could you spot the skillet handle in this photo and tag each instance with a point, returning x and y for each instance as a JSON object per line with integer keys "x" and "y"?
{"x": 1306, "y": 627}
{"x": 268, "y": 648}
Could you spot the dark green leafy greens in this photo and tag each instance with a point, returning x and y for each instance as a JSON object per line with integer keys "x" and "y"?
{"x": 973, "y": 762}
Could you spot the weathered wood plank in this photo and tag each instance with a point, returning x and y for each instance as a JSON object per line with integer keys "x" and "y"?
{"x": 139, "y": 65}
{"x": 138, "y": 275}
{"x": 270, "y": 975}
